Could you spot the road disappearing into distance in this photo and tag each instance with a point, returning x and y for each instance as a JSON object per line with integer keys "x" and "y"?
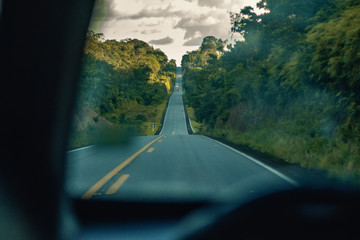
{"x": 173, "y": 165}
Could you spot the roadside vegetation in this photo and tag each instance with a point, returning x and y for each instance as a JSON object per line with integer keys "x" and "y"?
{"x": 124, "y": 84}
{"x": 291, "y": 88}
{"x": 191, "y": 114}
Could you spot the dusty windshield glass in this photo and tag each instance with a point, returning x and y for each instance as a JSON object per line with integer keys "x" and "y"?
{"x": 191, "y": 100}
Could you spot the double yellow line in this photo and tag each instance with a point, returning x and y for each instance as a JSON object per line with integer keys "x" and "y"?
{"x": 113, "y": 172}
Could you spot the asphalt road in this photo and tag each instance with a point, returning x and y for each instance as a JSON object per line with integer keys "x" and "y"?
{"x": 171, "y": 166}
{"x": 174, "y": 121}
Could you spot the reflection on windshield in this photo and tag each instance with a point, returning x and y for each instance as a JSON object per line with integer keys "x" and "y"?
{"x": 278, "y": 95}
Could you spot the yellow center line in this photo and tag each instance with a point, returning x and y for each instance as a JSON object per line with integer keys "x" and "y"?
{"x": 150, "y": 150}
{"x": 113, "y": 172}
{"x": 117, "y": 184}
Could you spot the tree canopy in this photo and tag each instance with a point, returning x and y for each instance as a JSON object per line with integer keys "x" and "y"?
{"x": 116, "y": 72}
{"x": 296, "y": 72}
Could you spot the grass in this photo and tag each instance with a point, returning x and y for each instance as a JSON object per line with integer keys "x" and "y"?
{"x": 196, "y": 125}
{"x": 79, "y": 139}
{"x": 141, "y": 116}
{"x": 155, "y": 119}
{"x": 132, "y": 118}
{"x": 338, "y": 158}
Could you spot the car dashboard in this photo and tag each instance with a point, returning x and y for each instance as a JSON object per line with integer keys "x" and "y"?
{"x": 297, "y": 213}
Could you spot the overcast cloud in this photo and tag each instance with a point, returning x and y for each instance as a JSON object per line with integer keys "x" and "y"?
{"x": 194, "y": 42}
{"x": 150, "y": 31}
{"x": 162, "y": 41}
{"x": 174, "y": 26}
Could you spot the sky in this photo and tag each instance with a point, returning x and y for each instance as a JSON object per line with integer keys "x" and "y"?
{"x": 174, "y": 26}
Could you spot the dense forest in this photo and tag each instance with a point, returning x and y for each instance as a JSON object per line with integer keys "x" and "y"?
{"x": 125, "y": 82}
{"x": 291, "y": 88}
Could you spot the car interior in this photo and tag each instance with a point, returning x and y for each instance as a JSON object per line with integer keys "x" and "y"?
{"x": 41, "y": 49}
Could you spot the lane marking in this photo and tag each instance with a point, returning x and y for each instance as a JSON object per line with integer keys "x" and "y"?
{"x": 113, "y": 172}
{"x": 82, "y": 148}
{"x": 150, "y": 150}
{"x": 279, "y": 174}
{"x": 113, "y": 189}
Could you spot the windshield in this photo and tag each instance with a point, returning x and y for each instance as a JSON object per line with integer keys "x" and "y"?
{"x": 196, "y": 100}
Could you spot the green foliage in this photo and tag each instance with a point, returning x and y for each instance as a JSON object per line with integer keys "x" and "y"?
{"x": 294, "y": 79}
{"x": 210, "y": 49}
{"x": 127, "y": 69}
{"x": 335, "y": 52}
{"x": 127, "y": 82}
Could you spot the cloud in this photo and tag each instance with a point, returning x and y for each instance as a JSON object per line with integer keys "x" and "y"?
{"x": 163, "y": 41}
{"x": 215, "y": 23}
{"x": 215, "y": 3}
{"x": 150, "y": 31}
{"x": 210, "y": 3}
{"x": 198, "y": 18}
{"x": 147, "y": 24}
{"x": 194, "y": 42}
{"x": 186, "y": 21}
{"x": 149, "y": 13}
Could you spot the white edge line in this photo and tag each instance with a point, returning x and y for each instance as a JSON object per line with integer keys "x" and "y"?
{"x": 184, "y": 106}
{"x": 162, "y": 127}
{"x": 192, "y": 129}
{"x": 279, "y": 174}
{"x": 184, "y": 116}
{"x": 79, "y": 149}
